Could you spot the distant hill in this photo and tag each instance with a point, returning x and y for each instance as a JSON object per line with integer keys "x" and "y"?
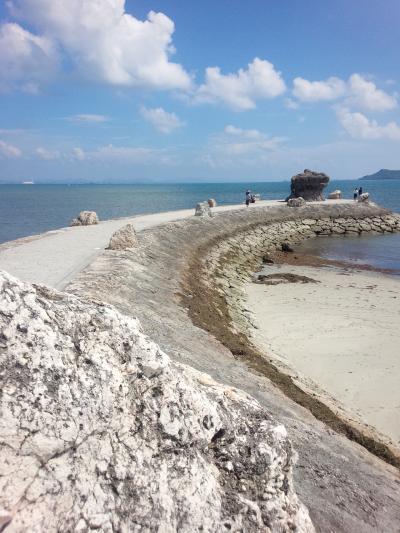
{"x": 383, "y": 174}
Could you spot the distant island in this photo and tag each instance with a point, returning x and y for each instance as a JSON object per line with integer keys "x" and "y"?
{"x": 383, "y": 174}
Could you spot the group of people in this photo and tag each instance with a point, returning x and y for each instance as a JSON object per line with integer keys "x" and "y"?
{"x": 250, "y": 198}
{"x": 357, "y": 192}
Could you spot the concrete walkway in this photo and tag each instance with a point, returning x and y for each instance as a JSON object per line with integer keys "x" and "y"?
{"x": 56, "y": 257}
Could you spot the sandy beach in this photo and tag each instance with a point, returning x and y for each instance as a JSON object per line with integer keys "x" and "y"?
{"x": 339, "y": 337}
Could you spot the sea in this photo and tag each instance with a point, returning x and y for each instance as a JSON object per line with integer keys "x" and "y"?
{"x": 32, "y": 209}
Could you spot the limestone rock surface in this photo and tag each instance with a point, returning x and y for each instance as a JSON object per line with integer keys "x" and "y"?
{"x": 296, "y": 202}
{"x": 100, "y": 430}
{"x": 124, "y": 238}
{"x": 85, "y": 218}
{"x": 203, "y": 210}
{"x": 309, "y": 185}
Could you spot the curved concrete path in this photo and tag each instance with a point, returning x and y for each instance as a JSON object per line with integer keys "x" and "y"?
{"x": 56, "y": 257}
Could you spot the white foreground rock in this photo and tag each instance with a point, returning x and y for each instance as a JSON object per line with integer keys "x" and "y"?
{"x": 100, "y": 430}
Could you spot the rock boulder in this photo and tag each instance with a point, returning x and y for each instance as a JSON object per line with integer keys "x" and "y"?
{"x": 335, "y": 195}
{"x": 203, "y": 210}
{"x": 100, "y": 430}
{"x": 211, "y": 202}
{"x": 296, "y": 202}
{"x": 364, "y": 197}
{"x": 124, "y": 238}
{"x": 85, "y": 218}
{"x": 309, "y": 185}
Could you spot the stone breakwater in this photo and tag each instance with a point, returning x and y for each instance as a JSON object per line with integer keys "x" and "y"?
{"x": 231, "y": 262}
{"x": 170, "y": 283}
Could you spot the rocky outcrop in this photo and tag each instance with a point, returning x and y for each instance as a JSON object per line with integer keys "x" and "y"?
{"x": 296, "y": 202}
{"x": 211, "y": 202}
{"x": 100, "y": 430}
{"x": 203, "y": 210}
{"x": 124, "y": 238}
{"x": 309, "y": 185}
{"x": 85, "y": 218}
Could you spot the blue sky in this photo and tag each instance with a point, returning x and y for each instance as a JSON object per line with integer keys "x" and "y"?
{"x": 114, "y": 91}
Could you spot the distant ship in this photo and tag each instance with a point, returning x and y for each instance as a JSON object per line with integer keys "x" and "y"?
{"x": 28, "y": 183}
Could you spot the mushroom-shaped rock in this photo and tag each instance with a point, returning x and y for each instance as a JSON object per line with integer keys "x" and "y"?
{"x": 124, "y": 238}
{"x": 101, "y": 430}
{"x": 203, "y": 210}
{"x": 85, "y": 218}
{"x": 309, "y": 185}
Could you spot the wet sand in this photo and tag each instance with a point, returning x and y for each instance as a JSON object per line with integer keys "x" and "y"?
{"x": 340, "y": 337}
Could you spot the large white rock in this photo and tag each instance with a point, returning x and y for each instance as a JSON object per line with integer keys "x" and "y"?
{"x": 100, "y": 430}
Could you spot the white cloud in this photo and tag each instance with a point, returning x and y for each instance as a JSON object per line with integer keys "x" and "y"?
{"x": 46, "y": 154}
{"x": 124, "y": 153}
{"x": 78, "y": 154}
{"x": 103, "y": 42}
{"x": 9, "y": 151}
{"x": 26, "y": 60}
{"x": 161, "y": 120}
{"x": 247, "y": 134}
{"x": 359, "y": 126}
{"x": 365, "y": 94}
{"x": 88, "y": 118}
{"x": 237, "y": 146}
{"x": 241, "y": 90}
{"x": 291, "y": 104}
{"x": 357, "y": 91}
{"x": 314, "y": 91}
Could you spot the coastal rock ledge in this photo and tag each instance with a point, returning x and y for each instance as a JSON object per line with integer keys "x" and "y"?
{"x": 100, "y": 430}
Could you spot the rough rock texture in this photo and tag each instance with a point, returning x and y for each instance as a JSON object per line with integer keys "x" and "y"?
{"x": 335, "y": 195}
{"x": 99, "y": 430}
{"x": 345, "y": 487}
{"x": 296, "y": 202}
{"x": 309, "y": 185}
{"x": 203, "y": 210}
{"x": 85, "y": 218}
{"x": 124, "y": 238}
{"x": 211, "y": 202}
{"x": 364, "y": 197}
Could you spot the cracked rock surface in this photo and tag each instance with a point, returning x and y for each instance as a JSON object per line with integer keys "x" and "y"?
{"x": 100, "y": 430}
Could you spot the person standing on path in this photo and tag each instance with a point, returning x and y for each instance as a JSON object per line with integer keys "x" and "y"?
{"x": 355, "y": 194}
{"x": 360, "y": 191}
{"x": 248, "y": 197}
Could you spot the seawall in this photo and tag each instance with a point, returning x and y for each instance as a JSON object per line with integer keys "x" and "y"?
{"x": 181, "y": 283}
